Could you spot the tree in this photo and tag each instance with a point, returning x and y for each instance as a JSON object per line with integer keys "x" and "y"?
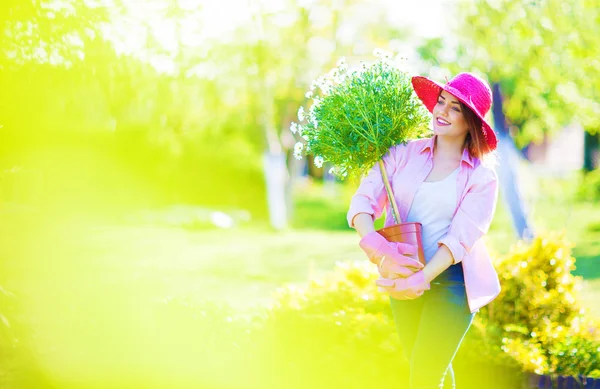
{"x": 48, "y": 31}
{"x": 166, "y": 114}
{"x": 538, "y": 56}
{"x": 289, "y": 45}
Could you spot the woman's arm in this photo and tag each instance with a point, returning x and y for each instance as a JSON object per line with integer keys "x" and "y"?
{"x": 363, "y": 223}
{"x": 371, "y": 197}
{"x": 440, "y": 261}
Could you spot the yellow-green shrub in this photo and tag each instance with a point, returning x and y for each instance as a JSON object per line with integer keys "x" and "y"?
{"x": 537, "y": 319}
{"x": 339, "y": 331}
{"x": 336, "y": 332}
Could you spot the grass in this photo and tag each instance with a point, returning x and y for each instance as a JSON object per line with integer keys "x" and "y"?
{"x": 127, "y": 305}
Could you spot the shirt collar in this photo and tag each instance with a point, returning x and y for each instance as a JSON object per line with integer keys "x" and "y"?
{"x": 430, "y": 144}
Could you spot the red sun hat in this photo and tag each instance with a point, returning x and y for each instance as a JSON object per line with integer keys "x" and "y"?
{"x": 471, "y": 90}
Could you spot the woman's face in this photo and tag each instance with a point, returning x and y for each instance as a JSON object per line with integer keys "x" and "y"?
{"x": 448, "y": 119}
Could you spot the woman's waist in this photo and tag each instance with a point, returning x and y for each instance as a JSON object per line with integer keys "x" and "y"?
{"x": 452, "y": 275}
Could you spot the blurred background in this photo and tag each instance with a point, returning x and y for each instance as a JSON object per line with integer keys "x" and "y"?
{"x": 154, "y": 222}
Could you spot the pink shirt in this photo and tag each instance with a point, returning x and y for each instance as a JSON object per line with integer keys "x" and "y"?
{"x": 477, "y": 191}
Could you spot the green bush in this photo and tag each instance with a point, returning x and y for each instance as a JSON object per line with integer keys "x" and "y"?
{"x": 337, "y": 332}
{"x": 339, "y": 329}
{"x": 537, "y": 319}
{"x": 589, "y": 187}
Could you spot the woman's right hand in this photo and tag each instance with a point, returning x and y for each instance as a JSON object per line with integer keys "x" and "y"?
{"x": 392, "y": 258}
{"x": 405, "y": 289}
{"x": 388, "y": 268}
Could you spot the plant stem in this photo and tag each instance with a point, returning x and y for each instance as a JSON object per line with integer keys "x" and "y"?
{"x": 390, "y": 193}
{"x": 358, "y": 129}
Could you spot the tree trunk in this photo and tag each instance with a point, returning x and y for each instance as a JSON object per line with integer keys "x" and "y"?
{"x": 275, "y": 168}
{"x": 276, "y": 176}
{"x": 591, "y": 152}
{"x": 274, "y": 158}
{"x": 507, "y": 170}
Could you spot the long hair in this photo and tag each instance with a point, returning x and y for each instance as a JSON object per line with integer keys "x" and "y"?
{"x": 475, "y": 141}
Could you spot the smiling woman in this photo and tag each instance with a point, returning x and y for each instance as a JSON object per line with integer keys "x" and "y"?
{"x": 442, "y": 183}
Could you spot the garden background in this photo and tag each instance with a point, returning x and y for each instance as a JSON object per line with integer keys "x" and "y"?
{"x": 156, "y": 231}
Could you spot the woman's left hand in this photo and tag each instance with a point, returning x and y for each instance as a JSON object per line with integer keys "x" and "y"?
{"x": 405, "y": 288}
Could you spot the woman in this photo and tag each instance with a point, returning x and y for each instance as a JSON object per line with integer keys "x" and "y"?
{"x": 444, "y": 183}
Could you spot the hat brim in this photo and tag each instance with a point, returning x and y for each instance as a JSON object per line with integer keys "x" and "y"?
{"x": 428, "y": 91}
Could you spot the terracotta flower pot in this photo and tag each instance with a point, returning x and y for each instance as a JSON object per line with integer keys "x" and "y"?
{"x": 406, "y": 233}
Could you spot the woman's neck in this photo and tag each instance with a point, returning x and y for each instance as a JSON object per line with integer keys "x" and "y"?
{"x": 449, "y": 148}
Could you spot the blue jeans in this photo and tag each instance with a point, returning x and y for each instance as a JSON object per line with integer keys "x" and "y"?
{"x": 431, "y": 329}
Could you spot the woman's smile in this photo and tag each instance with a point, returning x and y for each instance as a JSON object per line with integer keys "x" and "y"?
{"x": 442, "y": 122}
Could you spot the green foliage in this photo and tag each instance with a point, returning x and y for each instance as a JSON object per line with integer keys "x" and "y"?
{"x": 319, "y": 206}
{"x": 349, "y": 288}
{"x": 537, "y": 319}
{"x": 356, "y": 116}
{"x": 536, "y": 323}
{"x": 109, "y": 111}
{"x": 50, "y": 32}
{"x": 338, "y": 331}
{"x": 589, "y": 187}
{"x": 541, "y": 53}
{"x": 95, "y": 131}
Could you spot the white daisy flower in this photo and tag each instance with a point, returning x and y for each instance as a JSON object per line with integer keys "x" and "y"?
{"x": 334, "y": 73}
{"x": 294, "y": 127}
{"x": 309, "y": 94}
{"x": 325, "y": 85}
{"x": 298, "y": 147}
{"x": 342, "y": 65}
{"x": 301, "y": 113}
{"x": 319, "y": 161}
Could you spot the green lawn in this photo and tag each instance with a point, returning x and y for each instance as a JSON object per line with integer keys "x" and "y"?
{"x": 124, "y": 307}
{"x": 129, "y": 305}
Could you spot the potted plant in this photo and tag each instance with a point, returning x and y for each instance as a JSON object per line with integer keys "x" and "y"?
{"x": 354, "y": 119}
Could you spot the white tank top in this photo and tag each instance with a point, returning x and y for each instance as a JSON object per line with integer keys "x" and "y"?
{"x": 433, "y": 206}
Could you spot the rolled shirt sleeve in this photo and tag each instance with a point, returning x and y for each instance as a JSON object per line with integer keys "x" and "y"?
{"x": 474, "y": 214}
{"x": 370, "y": 197}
